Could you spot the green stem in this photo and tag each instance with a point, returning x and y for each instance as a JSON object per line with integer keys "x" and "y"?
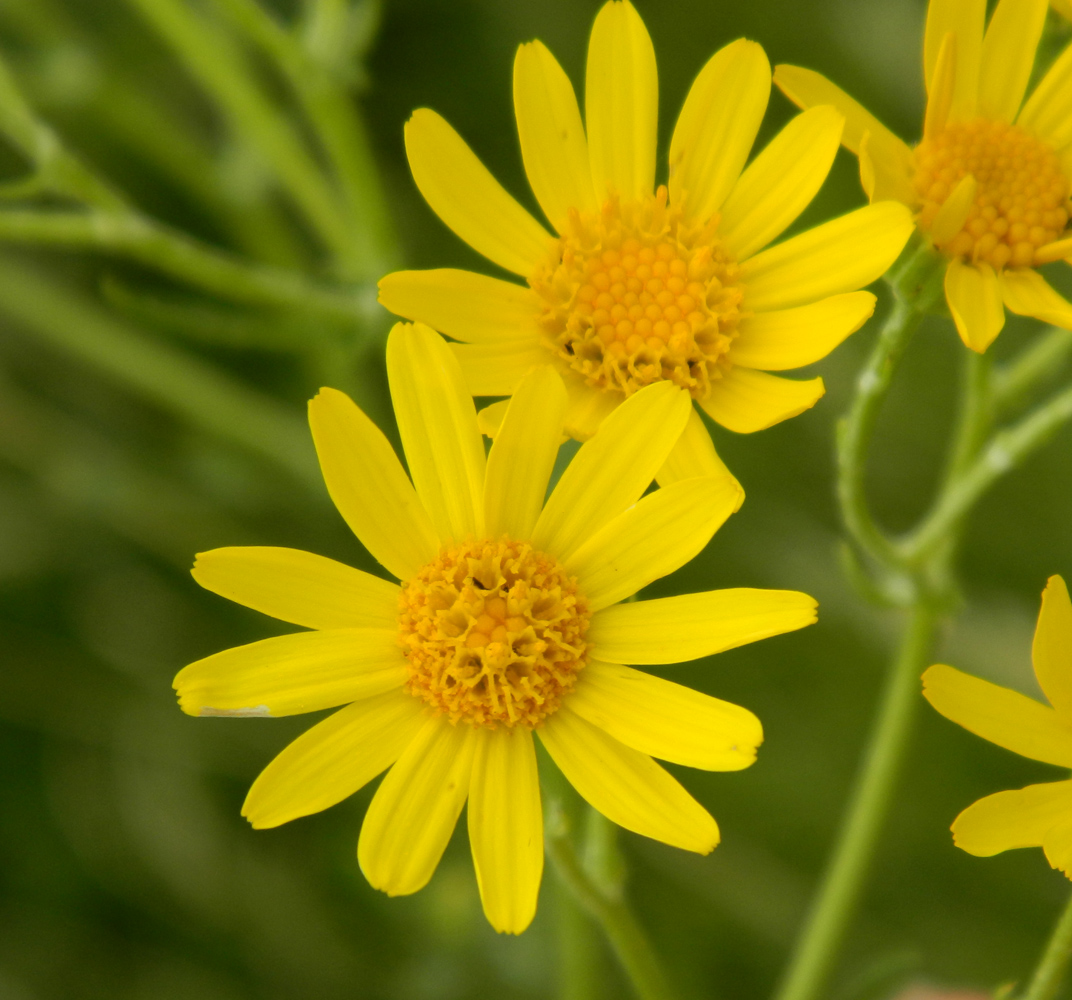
{"x": 341, "y": 133}
{"x": 190, "y": 389}
{"x": 857, "y": 427}
{"x": 1054, "y": 961}
{"x": 605, "y": 900}
{"x": 218, "y": 66}
{"x": 578, "y": 948}
{"x": 1006, "y": 450}
{"x": 844, "y": 879}
{"x": 183, "y": 257}
{"x": 1040, "y": 361}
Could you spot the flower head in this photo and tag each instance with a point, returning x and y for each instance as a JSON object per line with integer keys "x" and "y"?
{"x": 989, "y": 182}
{"x": 1038, "y": 815}
{"x": 507, "y": 622}
{"x": 643, "y": 283}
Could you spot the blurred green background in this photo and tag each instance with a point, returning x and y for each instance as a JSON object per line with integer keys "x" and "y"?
{"x": 142, "y": 420}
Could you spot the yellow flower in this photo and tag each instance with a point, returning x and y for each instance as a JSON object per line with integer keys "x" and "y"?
{"x": 646, "y": 284}
{"x": 1038, "y": 815}
{"x": 507, "y": 622}
{"x": 989, "y": 182}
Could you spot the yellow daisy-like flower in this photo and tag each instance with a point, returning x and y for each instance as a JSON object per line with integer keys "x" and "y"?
{"x": 1038, "y": 815}
{"x": 647, "y": 284}
{"x": 507, "y": 622}
{"x": 990, "y": 180}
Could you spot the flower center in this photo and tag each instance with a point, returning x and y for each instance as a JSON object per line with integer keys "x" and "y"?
{"x": 494, "y": 633}
{"x": 638, "y": 295}
{"x": 1021, "y": 197}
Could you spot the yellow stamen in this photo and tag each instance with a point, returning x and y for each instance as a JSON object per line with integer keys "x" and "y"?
{"x": 637, "y": 295}
{"x": 1021, "y": 198}
{"x": 494, "y": 633}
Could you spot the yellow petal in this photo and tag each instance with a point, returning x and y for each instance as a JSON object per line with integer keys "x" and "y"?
{"x": 553, "y": 145}
{"x": 621, "y": 103}
{"x": 1048, "y": 111}
{"x": 943, "y": 83}
{"x": 841, "y": 255}
{"x": 298, "y": 587}
{"x": 791, "y": 338}
{"x": 1057, "y": 250}
{"x": 490, "y": 419}
{"x": 954, "y": 212}
{"x": 676, "y": 629}
{"x": 587, "y": 407}
{"x": 610, "y": 471}
{"x": 695, "y": 455}
{"x": 466, "y": 306}
{"x": 884, "y": 174}
{"x": 413, "y": 812}
{"x": 666, "y": 720}
{"x": 369, "y": 486}
{"x": 965, "y": 19}
{"x": 807, "y": 89}
{"x": 523, "y": 455}
{"x": 626, "y": 786}
{"x": 1005, "y": 717}
{"x": 745, "y": 400}
{"x": 1008, "y": 820}
{"x": 290, "y": 674}
{"x": 437, "y": 424}
{"x": 334, "y": 759}
{"x": 973, "y": 293}
{"x": 496, "y": 369}
{"x": 506, "y": 826}
{"x": 1051, "y": 651}
{"x": 781, "y": 182}
{"x": 1009, "y": 55}
{"x": 1027, "y": 293}
{"x": 654, "y": 537}
{"x": 717, "y": 126}
{"x": 1058, "y": 845}
{"x": 461, "y": 191}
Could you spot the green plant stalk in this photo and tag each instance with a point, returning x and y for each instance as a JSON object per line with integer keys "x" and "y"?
{"x": 183, "y": 257}
{"x": 578, "y": 947}
{"x": 1040, "y": 361}
{"x": 216, "y": 64}
{"x": 844, "y": 879}
{"x": 190, "y": 389}
{"x": 1051, "y": 968}
{"x": 857, "y": 427}
{"x": 341, "y": 133}
{"x": 607, "y": 905}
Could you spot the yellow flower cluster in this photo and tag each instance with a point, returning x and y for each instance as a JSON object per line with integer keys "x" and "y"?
{"x": 509, "y": 621}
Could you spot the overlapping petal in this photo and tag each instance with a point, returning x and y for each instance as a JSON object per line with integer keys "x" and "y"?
{"x": 298, "y": 587}
{"x": 1005, "y": 717}
{"x": 289, "y": 674}
{"x": 335, "y": 758}
{"x": 964, "y": 19}
{"x": 1051, "y": 651}
{"x": 1005, "y": 821}
{"x": 677, "y": 629}
{"x": 1027, "y": 293}
{"x": 496, "y": 369}
{"x": 666, "y": 720}
{"x": 745, "y": 400}
{"x": 973, "y": 292}
{"x": 626, "y": 786}
{"x": 1008, "y": 56}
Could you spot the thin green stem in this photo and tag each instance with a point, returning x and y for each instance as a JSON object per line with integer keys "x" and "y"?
{"x": 1043, "y": 359}
{"x": 183, "y": 257}
{"x": 218, "y": 66}
{"x": 844, "y": 879}
{"x": 1006, "y": 450}
{"x": 578, "y": 948}
{"x": 340, "y": 130}
{"x": 856, "y": 429}
{"x": 190, "y": 389}
{"x": 601, "y": 894}
{"x": 1051, "y": 968}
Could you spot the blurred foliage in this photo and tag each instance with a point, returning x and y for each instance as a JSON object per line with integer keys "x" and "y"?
{"x": 147, "y": 413}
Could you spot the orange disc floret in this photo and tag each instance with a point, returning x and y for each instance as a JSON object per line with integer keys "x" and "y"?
{"x": 1021, "y": 200}
{"x": 494, "y": 633}
{"x": 636, "y": 295}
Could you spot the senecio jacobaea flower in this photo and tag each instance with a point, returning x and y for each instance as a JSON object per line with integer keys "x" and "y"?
{"x": 646, "y": 284}
{"x": 990, "y": 180}
{"x": 507, "y": 622}
{"x": 1038, "y": 815}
